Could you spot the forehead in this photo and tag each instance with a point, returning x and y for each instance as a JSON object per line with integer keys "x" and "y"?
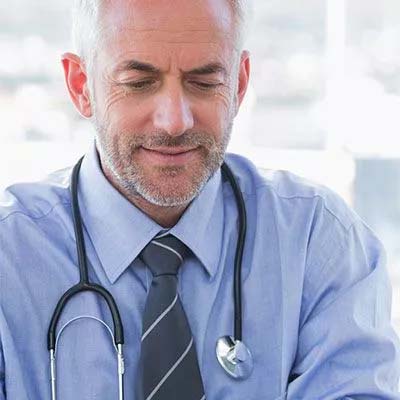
{"x": 201, "y": 15}
{"x": 149, "y": 26}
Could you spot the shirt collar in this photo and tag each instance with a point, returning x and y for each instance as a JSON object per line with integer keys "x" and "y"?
{"x": 119, "y": 230}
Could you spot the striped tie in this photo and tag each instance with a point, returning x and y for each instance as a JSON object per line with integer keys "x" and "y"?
{"x": 168, "y": 362}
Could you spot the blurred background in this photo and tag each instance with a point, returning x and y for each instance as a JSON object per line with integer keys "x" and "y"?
{"x": 324, "y": 101}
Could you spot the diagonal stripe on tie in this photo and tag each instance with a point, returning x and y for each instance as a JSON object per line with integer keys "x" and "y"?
{"x": 169, "y": 372}
{"x": 160, "y": 343}
{"x": 164, "y": 246}
{"x": 168, "y": 362}
{"x": 180, "y": 383}
{"x": 158, "y": 301}
{"x": 159, "y": 318}
{"x": 159, "y": 346}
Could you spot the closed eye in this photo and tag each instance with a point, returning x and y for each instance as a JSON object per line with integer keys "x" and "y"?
{"x": 205, "y": 85}
{"x": 140, "y": 84}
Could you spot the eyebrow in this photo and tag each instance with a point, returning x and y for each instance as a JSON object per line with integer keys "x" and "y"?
{"x": 208, "y": 69}
{"x": 133, "y": 65}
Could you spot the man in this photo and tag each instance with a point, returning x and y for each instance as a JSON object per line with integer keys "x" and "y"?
{"x": 162, "y": 81}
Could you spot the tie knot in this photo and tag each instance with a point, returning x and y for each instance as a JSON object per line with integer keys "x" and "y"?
{"x": 164, "y": 255}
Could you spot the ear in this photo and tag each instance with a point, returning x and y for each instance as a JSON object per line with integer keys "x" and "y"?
{"x": 76, "y": 80}
{"x": 244, "y": 75}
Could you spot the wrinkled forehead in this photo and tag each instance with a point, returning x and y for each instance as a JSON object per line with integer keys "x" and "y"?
{"x": 176, "y": 20}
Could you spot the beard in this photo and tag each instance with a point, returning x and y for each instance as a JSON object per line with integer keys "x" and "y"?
{"x": 166, "y": 186}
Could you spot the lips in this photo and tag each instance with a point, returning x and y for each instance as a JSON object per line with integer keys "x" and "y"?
{"x": 169, "y": 156}
{"x": 170, "y": 150}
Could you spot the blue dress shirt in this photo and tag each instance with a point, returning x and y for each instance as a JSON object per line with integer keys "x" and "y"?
{"x": 316, "y": 295}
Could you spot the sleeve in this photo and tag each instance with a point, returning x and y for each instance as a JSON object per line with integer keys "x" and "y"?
{"x": 347, "y": 348}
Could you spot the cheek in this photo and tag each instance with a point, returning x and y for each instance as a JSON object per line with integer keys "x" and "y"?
{"x": 122, "y": 113}
{"x": 215, "y": 114}
{"x": 116, "y": 102}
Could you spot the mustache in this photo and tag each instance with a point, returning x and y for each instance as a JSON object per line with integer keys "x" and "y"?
{"x": 187, "y": 139}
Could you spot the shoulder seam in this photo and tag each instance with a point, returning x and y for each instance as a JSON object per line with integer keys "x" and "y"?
{"x": 345, "y": 227}
{"x": 35, "y": 217}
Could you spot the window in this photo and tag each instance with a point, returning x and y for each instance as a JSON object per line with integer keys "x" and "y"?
{"x": 323, "y": 101}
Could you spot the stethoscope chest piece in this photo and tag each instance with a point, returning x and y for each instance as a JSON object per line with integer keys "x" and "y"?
{"x": 234, "y": 357}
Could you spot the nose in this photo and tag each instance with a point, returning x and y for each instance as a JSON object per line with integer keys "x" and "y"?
{"x": 173, "y": 113}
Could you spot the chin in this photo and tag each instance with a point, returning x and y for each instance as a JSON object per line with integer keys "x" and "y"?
{"x": 171, "y": 190}
{"x": 167, "y": 200}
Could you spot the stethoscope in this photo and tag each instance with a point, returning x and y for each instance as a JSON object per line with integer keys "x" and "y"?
{"x": 233, "y": 355}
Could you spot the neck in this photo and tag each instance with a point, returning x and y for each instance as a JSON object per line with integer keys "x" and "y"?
{"x": 166, "y": 217}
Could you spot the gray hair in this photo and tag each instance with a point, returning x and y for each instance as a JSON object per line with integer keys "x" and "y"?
{"x": 86, "y": 29}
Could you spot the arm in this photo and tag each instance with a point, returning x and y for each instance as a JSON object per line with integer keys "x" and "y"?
{"x": 347, "y": 348}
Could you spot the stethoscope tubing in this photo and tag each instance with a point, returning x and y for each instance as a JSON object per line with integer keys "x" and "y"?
{"x": 84, "y": 285}
{"x": 237, "y": 286}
